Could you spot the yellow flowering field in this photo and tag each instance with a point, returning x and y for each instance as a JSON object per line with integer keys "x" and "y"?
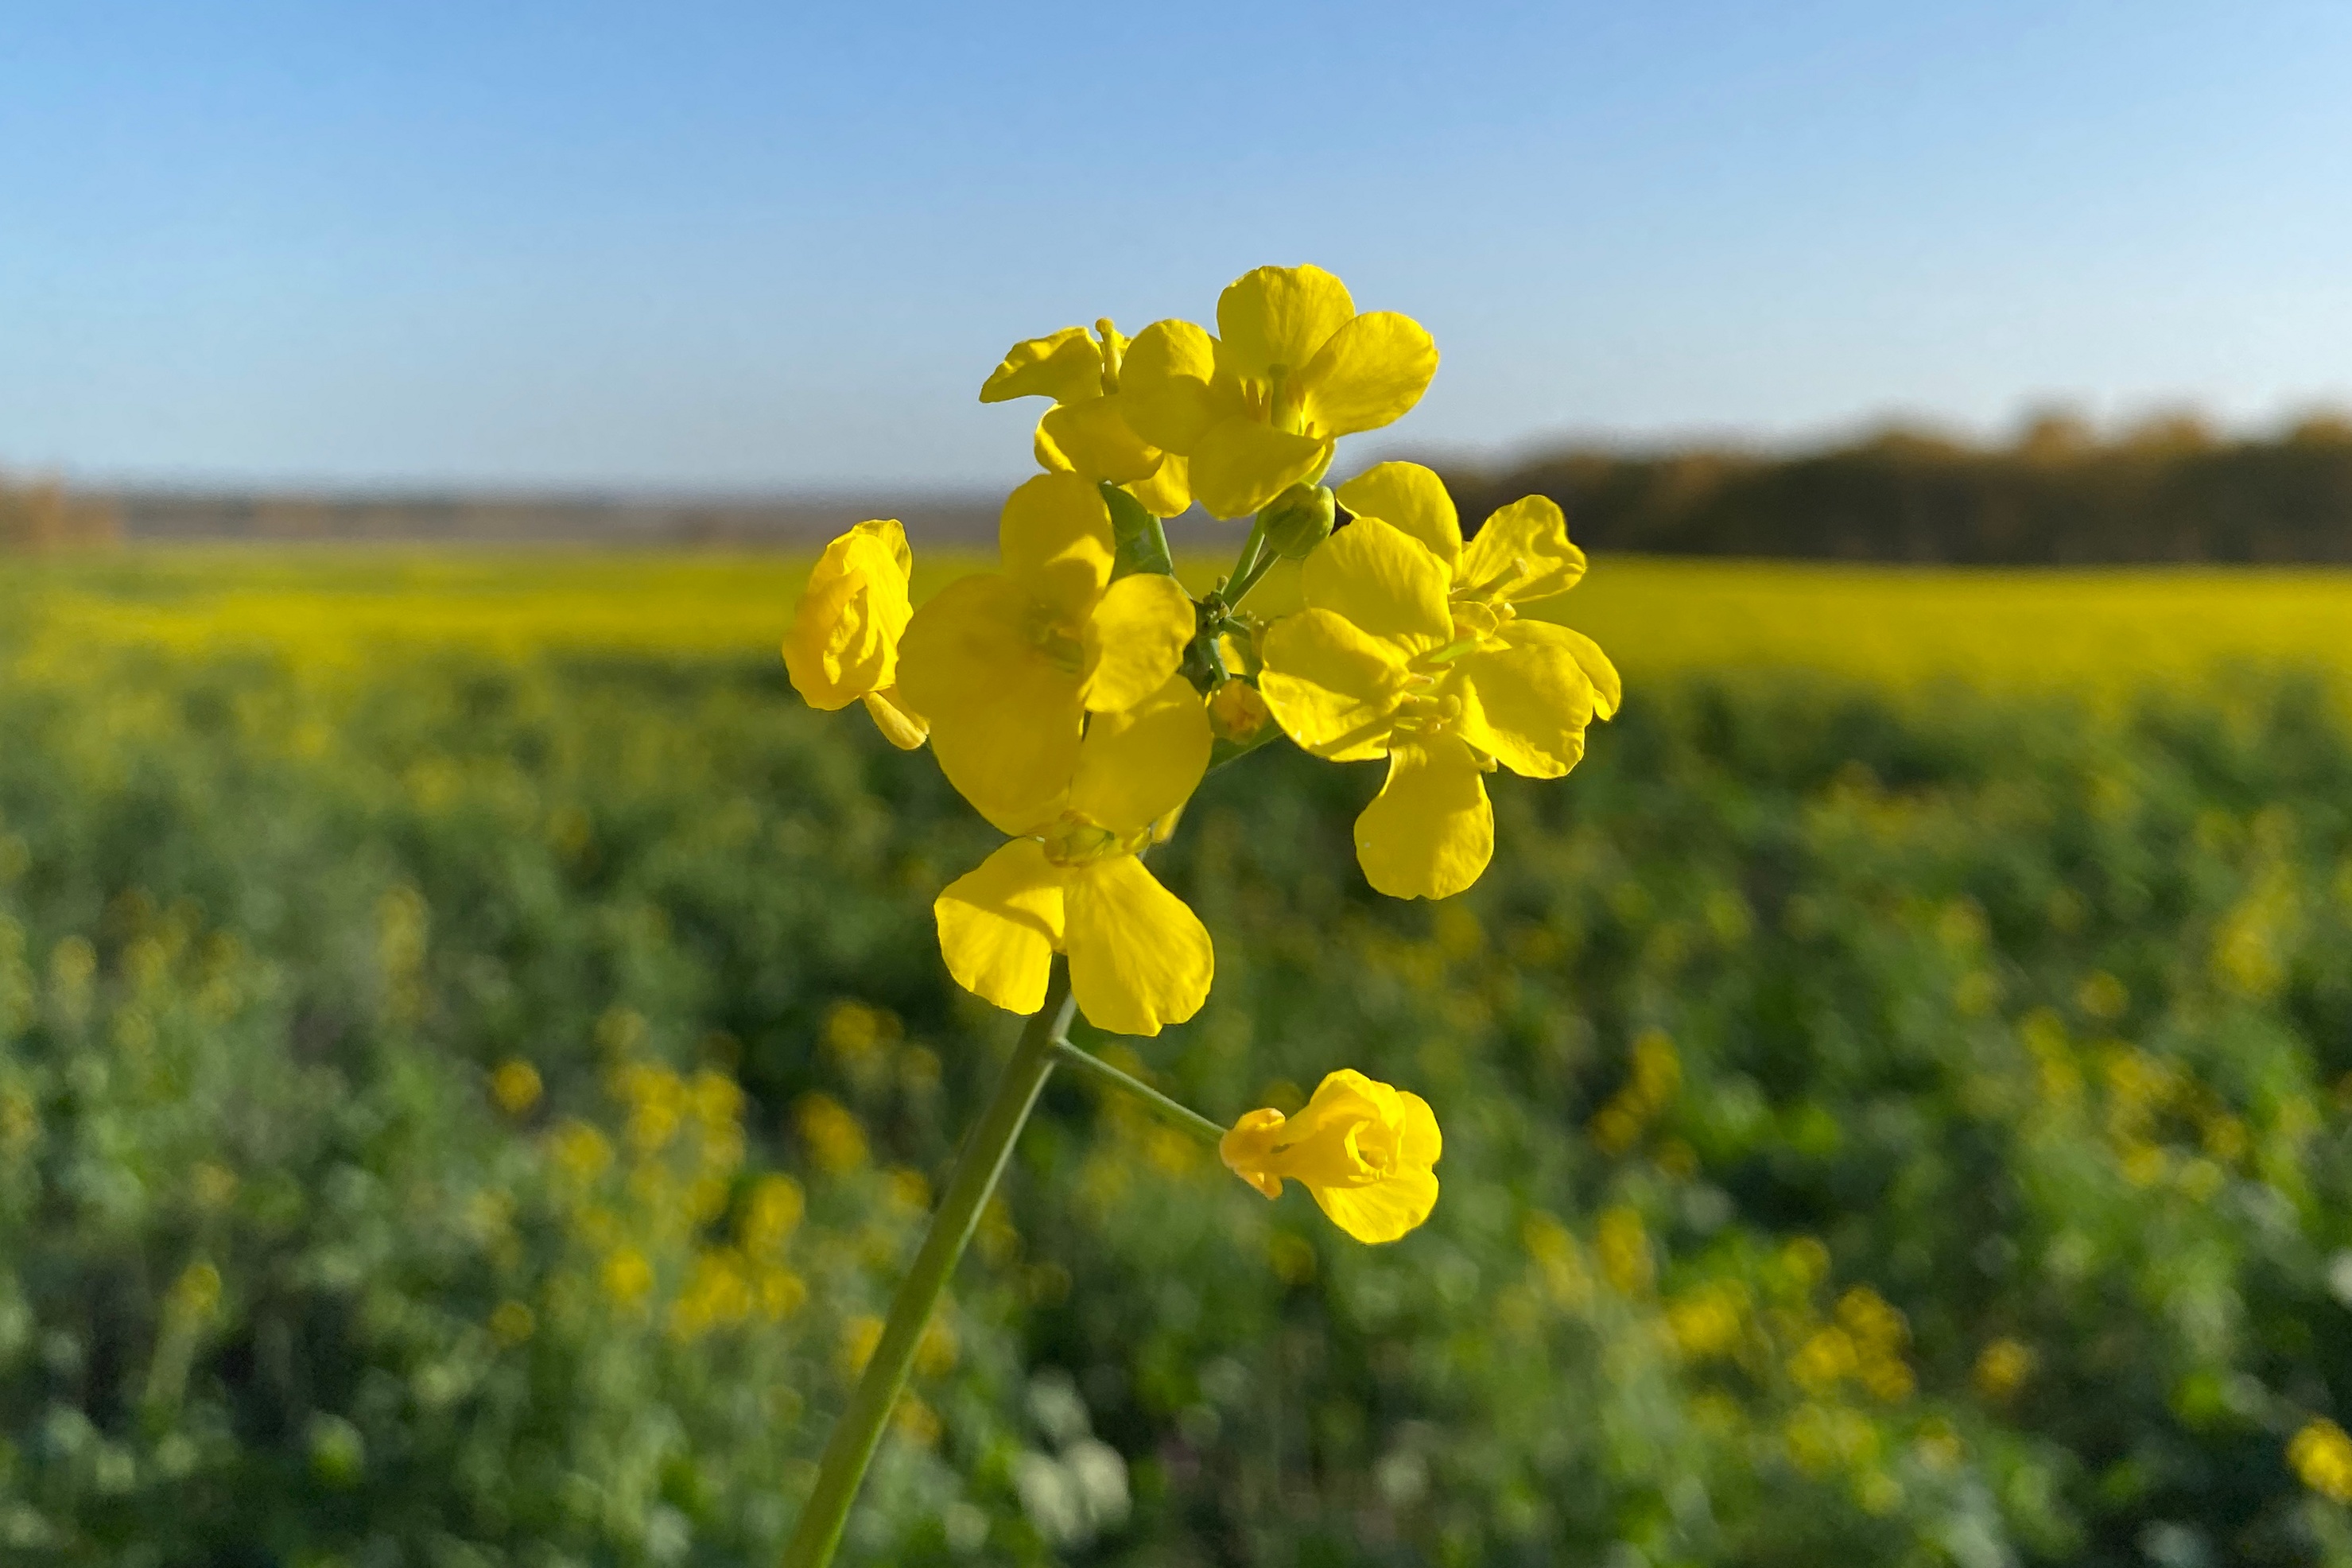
{"x": 1867, "y": 1121}
{"x": 2083, "y": 630}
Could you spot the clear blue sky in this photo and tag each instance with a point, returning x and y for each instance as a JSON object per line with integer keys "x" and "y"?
{"x": 737, "y": 247}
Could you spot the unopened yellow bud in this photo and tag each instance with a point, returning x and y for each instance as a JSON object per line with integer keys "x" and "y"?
{"x": 1298, "y": 519}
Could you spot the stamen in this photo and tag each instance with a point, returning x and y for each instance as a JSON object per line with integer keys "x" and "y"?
{"x": 1111, "y": 354}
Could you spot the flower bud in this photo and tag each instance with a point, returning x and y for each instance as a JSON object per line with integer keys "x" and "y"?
{"x": 1236, "y": 712}
{"x": 1298, "y": 520}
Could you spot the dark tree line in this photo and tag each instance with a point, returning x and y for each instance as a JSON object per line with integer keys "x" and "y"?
{"x": 2169, "y": 490}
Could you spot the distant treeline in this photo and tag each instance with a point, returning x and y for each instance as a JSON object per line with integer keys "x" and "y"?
{"x": 2167, "y": 491}
{"x": 41, "y": 515}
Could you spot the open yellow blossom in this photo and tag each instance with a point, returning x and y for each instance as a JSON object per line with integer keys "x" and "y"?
{"x": 1071, "y": 882}
{"x": 1292, "y": 369}
{"x": 1085, "y": 432}
{"x": 1008, "y": 664}
{"x": 1522, "y": 554}
{"x": 844, "y": 642}
{"x": 1367, "y": 1151}
{"x": 1391, "y": 658}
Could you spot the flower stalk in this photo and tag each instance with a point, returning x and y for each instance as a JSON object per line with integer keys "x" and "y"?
{"x": 981, "y": 1161}
{"x": 1177, "y": 1115}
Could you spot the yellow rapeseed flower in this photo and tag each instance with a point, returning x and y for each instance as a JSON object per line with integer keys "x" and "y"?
{"x": 844, "y": 642}
{"x": 1366, "y": 1151}
{"x": 2003, "y": 1368}
{"x": 1008, "y": 664}
{"x": 2321, "y": 1455}
{"x": 1071, "y": 882}
{"x": 1389, "y": 659}
{"x": 1521, "y": 556}
{"x": 1293, "y": 368}
{"x": 1085, "y": 432}
{"x": 515, "y": 1086}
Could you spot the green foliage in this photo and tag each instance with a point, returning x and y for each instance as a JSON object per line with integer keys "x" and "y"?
{"x": 1890, "y": 1131}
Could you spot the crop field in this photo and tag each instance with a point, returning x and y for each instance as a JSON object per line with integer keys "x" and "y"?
{"x": 2108, "y": 630}
{"x": 473, "y": 1058}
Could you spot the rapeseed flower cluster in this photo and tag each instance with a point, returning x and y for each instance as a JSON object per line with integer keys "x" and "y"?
{"x": 1078, "y": 695}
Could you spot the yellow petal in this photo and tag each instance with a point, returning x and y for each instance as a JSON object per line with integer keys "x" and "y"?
{"x": 1054, "y": 535}
{"x": 1064, "y": 366}
{"x": 1050, "y": 458}
{"x": 1525, "y": 548}
{"x": 1280, "y": 316}
{"x": 1384, "y": 1211}
{"x": 1332, "y": 687}
{"x": 1429, "y": 831}
{"x": 1608, "y": 687}
{"x": 1419, "y": 1142}
{"x": 1168, "y": 491}
{"x": 1409, "y": 497}
{"x": 892, "y": 537}
{"x": 1526, "y": 703}
{"x": 1135, "y": 639}
{"x": 1239, "y": 465}
{"x": 1248, "y": 1150}
{"x": 1004, "y": 720}
{"x": 1000, "y": 925}
{"x": 1387, "y": 582}
{"x": 1139, "y": 959}
{"x": 1370, "y": 373}
{"x": 1137, "y": 766}
{"x": 843, "y": 640}
{"x": 900, "y": 725}
{"x": 1092, "y": 439}
{"x": 1323, "y": 1144}
{"x": 1165, "y": 379}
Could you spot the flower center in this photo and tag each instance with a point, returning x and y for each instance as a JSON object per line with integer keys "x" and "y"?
{"x": 1075, "y": 839}
{"x": 1426, "y": 714}
{"x": 1052, "y": 641}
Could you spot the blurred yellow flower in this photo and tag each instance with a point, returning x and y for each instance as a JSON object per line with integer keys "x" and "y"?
{"x": 844, "y": 642}
{"x": 2321, "y": 1455}
{"x": 1085, "y": 432}
{"x": 627, "y": 1276}
{"x": 1622, "y": 1243}
{"x": 1386, "y": 661}
{"x": 1293, "y": 368}
{"x": 1008, "y": 664}
{"x": 859, "y": 1335}
{"x": 1071, "y": 881}
{"x": 579, "y": 1151}
{"x": 1366, "y": 1152}
{"x": 835, "y": 1141}
{"x": 771, "y": 1214}
{"x": 514, "y": 1086}
{"x": 2002, "y": 1369}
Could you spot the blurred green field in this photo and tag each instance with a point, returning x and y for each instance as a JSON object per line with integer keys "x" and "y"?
{"x": 1895, "y": 1096}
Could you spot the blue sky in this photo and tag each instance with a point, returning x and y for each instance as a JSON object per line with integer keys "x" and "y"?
{"x": 730, "y": 248}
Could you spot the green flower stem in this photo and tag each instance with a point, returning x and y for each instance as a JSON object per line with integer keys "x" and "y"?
{"x": 1169, "y": 1110}
{"x": 851, "y": 1448}
{"x": 1250, "y": 565}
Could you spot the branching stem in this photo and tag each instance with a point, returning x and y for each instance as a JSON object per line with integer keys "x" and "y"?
{"x": 859, "y": 1430}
